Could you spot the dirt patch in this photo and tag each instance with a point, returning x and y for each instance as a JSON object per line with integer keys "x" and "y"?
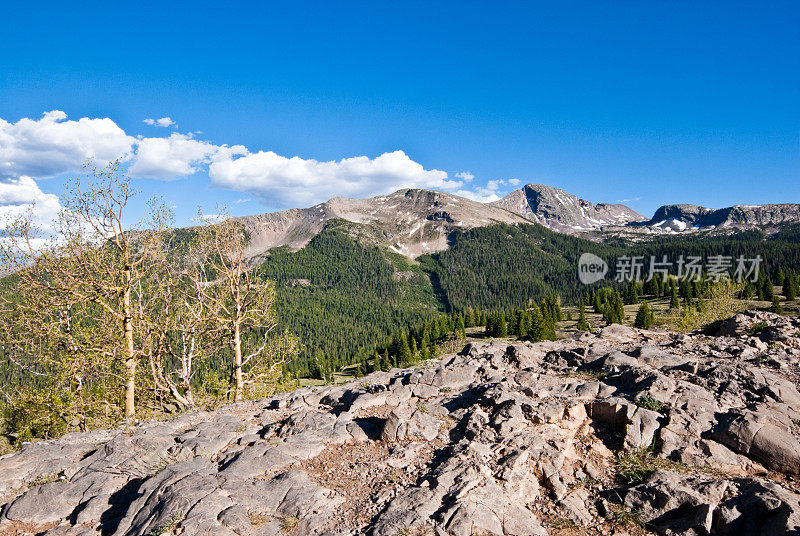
{"x": 363, "y": 474}
{"x": 14, "y": 528}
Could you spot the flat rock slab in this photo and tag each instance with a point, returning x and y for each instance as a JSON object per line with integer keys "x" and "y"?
{"x": 688, "y": 433}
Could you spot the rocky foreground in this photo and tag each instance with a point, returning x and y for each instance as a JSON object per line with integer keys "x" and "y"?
{"x": 624, "y": 431}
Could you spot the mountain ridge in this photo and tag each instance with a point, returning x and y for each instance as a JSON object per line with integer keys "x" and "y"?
{"x": 409, "y": 221}
{"x": 767, "y": 216}
{"x": 414, "y": 222}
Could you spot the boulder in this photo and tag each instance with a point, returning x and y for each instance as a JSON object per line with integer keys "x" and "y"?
{"x": 758, "y": 436}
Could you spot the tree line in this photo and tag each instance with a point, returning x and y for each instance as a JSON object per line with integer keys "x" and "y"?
{"x": 506, "y": 265}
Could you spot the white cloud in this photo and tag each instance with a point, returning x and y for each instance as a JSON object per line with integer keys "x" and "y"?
{"x": 491, "y": 192}
{"x": 52, "y": 145}
{"x": 282, "y": 181}
{"x": 22, "y": 196}
{"x": 483, "y": 194}
{"x": 177, "y": 156}
{"x": 210, "y": 218}
{"x": 22, "y": 199}
{"x": 163, "y": 122}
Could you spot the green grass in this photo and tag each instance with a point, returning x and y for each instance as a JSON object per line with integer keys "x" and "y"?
{"x": 168, "y": 526}
{"x": 636, "y": 466}
{"x": 648, "y": 402}
{"x": 588, "y": 375}
{"x": 289, "y": 523}
{"x": 623, "y": 517}
{"x": 47, "y": 479}
{"x": 757, "y": 328}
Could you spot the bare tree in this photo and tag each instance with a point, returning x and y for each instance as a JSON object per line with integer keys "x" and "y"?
{"x": 82, "y": 308}
{"x": 179, "y": 328}
{"x": 96, "y": 261}
{"x": 236, "y": 299}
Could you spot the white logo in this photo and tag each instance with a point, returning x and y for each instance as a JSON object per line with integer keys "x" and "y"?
{"x": 591, "y": 268}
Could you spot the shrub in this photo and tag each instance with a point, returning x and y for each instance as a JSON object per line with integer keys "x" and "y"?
{"x": 648, "y": 402}
{"x": 644, "y": 316}
{"x": 720, "y": 301}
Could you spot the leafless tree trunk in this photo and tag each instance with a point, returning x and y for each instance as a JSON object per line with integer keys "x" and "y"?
{"x": 130, "y": 350}
{"x": 236, "y": 299}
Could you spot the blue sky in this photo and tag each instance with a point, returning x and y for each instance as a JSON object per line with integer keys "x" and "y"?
{"x": 650, "y": 102}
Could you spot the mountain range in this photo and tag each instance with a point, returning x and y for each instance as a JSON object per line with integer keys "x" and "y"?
{"x": 412, "y": 222}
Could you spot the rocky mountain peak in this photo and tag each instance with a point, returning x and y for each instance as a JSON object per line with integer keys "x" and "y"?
{"x": 766, "y": 217}
{"x": 562, "y": 211}
{"x": 409, "y": 221}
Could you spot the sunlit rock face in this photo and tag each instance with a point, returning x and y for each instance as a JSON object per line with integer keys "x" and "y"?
{"x": 600, "y": 432}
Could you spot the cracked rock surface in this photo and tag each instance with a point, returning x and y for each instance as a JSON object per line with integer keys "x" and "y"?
{"x": 619, "y": 432}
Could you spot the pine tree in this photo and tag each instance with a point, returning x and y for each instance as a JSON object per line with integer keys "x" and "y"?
{"x": 425, "y": 340}
{"x": 651, "y": 286}
{"x": 631, "y": 296}
{"x": 644, "y": 316}
{"x": 613, "y": 309}
{"x": 403, "y": 348}
{"x": 659, "y": 285}
{"x": 536, "y": 332}
{"x": 790, "y": 286}
{"x": 445, "y": 326}
{"x": 551, "y": 310}
{"x": 436, "y": 334}
{"x": 558, "y": 314}
{"x": 674, "y": 303}
{"x": 608, "y": 313}
{"x": 502, "y": 327}
{"x": 685, "y": 290}
{"x": 696, "y": 289}
{"x": 512, "y": 322}
{"x": 490, "y": 325}
{"x": 524, "y": 323}
{"x": 780, "y": 278}
{"x": 582, "y": 324}
{"x": 619, "y": 308}
{"x": 747, "y": 290}
{"x": 768, "y": 289}
{"x": 597, "y": 303}
{"x": 549, "y": 332}
{"x": 546, "y": 308}
{"x": 776, "y": 305}
{"x": 469, "y": 318}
